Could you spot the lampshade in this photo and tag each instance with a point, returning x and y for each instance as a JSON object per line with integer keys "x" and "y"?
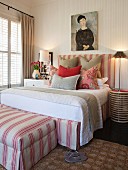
{"x": 120, "y": 54}
{"x": 44, "y": 56}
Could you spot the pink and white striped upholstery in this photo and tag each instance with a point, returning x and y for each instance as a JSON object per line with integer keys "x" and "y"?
{"x": 107, "y": 65}
{"x": 68, "y": 133}
{"x": 24, "y": 138}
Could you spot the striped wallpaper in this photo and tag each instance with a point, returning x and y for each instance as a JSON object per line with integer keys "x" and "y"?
{"x": 53, "y": 27}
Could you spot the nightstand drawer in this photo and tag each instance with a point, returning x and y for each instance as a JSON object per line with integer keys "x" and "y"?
{"x": 35, "y": 83}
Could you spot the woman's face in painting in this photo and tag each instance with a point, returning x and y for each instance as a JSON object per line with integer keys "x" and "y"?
{"x": 82, "y": 22}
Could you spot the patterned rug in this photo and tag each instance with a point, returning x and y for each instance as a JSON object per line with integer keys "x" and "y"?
{"x": 102, "y": 155}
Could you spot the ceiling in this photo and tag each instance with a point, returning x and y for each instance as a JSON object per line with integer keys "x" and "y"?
{"x": 27, "y": 3}
{"x": 32, "y": 3}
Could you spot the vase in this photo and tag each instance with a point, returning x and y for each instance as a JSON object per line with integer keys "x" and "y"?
{"x": 36, "y": 74}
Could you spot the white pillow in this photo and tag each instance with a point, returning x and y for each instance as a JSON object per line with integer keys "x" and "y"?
{"x": 102, "y": 81}
{"x": 103, "y": 86}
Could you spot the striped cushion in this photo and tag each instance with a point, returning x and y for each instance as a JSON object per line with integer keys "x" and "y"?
{"x": 107, "y": 65}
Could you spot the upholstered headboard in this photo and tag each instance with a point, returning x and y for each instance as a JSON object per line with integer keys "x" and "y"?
{"x": 107, "y": 65}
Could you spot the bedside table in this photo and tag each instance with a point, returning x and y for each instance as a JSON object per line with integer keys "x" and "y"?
{"x": 36, "y": 83}
{"x": 118, "y": 104}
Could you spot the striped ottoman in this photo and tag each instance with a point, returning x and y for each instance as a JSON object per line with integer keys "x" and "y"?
{"x": 24, "y": 138}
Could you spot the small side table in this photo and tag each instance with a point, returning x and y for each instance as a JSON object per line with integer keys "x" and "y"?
{"x": 118, "y": 104}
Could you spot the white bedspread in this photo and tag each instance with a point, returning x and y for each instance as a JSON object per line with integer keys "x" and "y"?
{"x": 57, "y": 106}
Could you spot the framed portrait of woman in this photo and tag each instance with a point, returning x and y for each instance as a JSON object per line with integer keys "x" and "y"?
{"x": 84, "y": 31}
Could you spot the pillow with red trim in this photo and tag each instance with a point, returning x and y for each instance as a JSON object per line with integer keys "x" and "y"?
{"x": 88, "y": 79}
{"x": 67, "y": 72}
{"x": 53, "y": 70}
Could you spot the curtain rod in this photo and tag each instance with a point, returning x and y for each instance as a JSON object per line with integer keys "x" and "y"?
{"x": 16, "y": 9}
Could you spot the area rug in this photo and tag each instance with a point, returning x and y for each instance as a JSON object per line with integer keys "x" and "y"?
{"x": 102, "y": 155}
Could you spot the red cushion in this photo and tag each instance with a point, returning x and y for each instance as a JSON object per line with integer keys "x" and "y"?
{"x": 67, "y": 72}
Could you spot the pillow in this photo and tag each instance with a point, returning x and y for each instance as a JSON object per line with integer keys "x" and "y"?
{"x": 93, "y": 62}
{"x": 53, "y": 70}
{"x": 88, "y": 79}
{"x": 68, "y": 63}
{"x": 67, "y": 83}
{"x": 103, "y": 86}
{"x": 101, "y": 82}
{"x": 66, "y": 72}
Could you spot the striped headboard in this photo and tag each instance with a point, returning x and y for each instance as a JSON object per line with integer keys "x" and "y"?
{"x": 107, "y": 65}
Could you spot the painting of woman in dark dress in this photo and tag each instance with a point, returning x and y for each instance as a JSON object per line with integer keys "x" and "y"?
{"x": 84, "y": 38}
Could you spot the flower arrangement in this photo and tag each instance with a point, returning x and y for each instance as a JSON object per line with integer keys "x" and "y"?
{"x": 35, "y": 65}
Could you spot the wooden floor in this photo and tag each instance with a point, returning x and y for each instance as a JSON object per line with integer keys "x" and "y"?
{"x": 114, "y": 132}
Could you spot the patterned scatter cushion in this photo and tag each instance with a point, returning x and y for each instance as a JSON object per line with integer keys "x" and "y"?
{"x": 53, "y": 70}
{"x": 67, "y": 83}
{"x": 66, "y": 72}
{"x": 69, "y": 63}
{"x": 88, "y": 79}
{"x": 91, "y": 63}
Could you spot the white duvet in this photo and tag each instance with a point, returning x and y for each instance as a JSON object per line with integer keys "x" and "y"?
{"x": 56, "y": 105}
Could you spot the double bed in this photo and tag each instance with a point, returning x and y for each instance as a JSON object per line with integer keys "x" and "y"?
{"x": 62, "y": 104}
{"x": 84, "y": 105}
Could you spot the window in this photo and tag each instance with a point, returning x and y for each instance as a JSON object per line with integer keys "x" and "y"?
{"x": 10, "y": 53}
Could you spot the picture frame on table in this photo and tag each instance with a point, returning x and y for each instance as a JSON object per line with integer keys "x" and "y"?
{"x": 46, "y": 68}
{"x": 51, "y": 58}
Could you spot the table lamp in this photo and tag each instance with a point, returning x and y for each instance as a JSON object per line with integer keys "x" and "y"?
{"x": 119, "y": 54}
{"x": 44, "y": 57}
